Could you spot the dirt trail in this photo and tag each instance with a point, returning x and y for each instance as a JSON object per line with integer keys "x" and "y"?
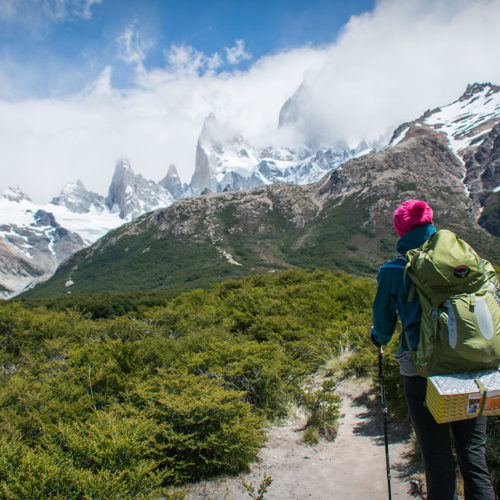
{"x": 352, "y": 467}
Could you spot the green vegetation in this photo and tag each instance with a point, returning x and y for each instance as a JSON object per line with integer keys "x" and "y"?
{"x": 324, "y": 413}
{"x": 151, "y": 260}
{"x": 102, "y": 305}
{"x": 127, "y": 406}
{"x": 490, "y": 217}
{"x": 155, "y": 390}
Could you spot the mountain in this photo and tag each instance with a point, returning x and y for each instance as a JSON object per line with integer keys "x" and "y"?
{"x": 172, "y": 183}
{"x": 449, "y": 157}
{"x": 132, "y": 195}
{"x": 471, "y": 126}
{"x": 225, "y": 160}
{"x": 32, "y": 244}
{"x": 77, "y": 199}
{"x": 35, "y": 239}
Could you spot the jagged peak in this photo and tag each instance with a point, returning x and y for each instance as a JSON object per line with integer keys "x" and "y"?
{"x": 71, "y": 187}
{"x": 172, "y": 182}
{"x": 477, "y": 88}
{"x": 123, "y": 165}
{"x": 14, "y": 193}
{"x": 172, "y": 172}
{"x": 77, "y": 198}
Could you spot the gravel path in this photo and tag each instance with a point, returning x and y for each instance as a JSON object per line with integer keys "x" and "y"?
{"x": 351, "y": 467}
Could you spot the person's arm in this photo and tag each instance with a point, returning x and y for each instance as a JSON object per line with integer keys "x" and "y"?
{"x": 384, "y": 310}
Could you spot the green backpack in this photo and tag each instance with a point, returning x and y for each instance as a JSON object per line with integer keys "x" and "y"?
{"x": 460, "y": 329}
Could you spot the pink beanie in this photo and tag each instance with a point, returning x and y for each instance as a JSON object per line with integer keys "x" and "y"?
{"x": 411, "y": 214}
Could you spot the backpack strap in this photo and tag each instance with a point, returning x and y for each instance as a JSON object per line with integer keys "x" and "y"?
{"x": 413, "y": 354}
{"x": 411, "y": 293}
{"x": 484, "y": 392}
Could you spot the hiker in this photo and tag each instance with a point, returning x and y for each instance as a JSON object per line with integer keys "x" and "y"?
{"x": 414, "y": 225}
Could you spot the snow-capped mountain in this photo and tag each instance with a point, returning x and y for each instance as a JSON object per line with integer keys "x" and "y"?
{"x": 464, "y": 122}
{"x": 77, "y": 199}
{"x": 342, "y": 222}
{"x": 34, "y": 239}
{"x": 172, "y": 183}
{"x": 467, "y": 125}
{"x": 32, "y": 243}
{"x": 132, "y": 195}
{"x": 225, "y": 160}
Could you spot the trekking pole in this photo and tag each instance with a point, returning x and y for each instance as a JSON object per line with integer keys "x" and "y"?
{"x": 385, "y": 412}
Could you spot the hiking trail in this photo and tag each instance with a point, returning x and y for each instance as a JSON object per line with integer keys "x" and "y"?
{"x": 351, "y": 467}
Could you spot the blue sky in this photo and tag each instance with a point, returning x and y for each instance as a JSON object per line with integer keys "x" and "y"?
{"x": 79, "y": 40}
{"x": 84, "y": 83}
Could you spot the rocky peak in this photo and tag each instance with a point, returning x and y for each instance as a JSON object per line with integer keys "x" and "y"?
{"x": 477, "y": 88}
{"x": 78, "y": 199}
{"x": 211, "y": 146}
{"x": 14, "y": 193}
{"x": 132, "y": 195}
{"x": 172, "y": 183}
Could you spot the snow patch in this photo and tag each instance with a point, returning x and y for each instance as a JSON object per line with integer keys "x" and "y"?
{"x": 400, "y": 137}
{"x": 459, "y": 119}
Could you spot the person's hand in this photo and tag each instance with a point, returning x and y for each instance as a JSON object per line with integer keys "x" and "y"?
{"x": 373, "y": 339}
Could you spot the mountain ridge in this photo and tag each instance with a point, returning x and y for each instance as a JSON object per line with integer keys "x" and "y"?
{"x": 463, "y": 135}
{"x": 342, "y": 222}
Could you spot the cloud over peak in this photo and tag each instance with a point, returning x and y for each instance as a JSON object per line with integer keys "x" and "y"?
{"x": 386, "y": 67}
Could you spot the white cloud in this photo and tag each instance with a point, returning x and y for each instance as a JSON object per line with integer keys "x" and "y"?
{"x": 184, "y": 59}
{"x": 38, "y": 12}
{"x": 391, "y": 65}
{"x": 237, "y": 53}
{"x": 132, "y": 48}
{"x": 387, "y": 67}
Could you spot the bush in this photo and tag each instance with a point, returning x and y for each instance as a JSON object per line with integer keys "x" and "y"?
{"x": 323, "y": 406}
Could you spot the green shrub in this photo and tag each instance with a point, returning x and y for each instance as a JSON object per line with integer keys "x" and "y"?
{"x": 261, "y": 370}
{"x": 323, "y": 406}
{"x": 202, "y": 429}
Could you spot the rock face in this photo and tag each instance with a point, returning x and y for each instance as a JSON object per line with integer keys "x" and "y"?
{"x": 483, "y": 165}
{"x": 172, "y": 183}
{"x": 132, "y": 195}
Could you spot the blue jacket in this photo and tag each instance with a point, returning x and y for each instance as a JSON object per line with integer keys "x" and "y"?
{"x": 391, "y": 299}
